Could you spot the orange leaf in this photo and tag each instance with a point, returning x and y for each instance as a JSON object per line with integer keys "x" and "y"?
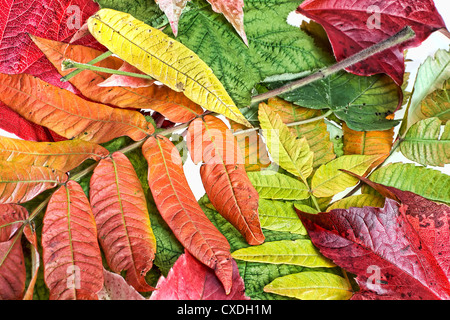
{"x": 224, "y": 177}
{"x": 55, "y": 108}
{"x": 73, "y": 267}
{"x": 368, "y": 143}
{"x": 116, "y": 80}
{"x": 12, "y": 263}
{"x": 20, "y": 183}
{"x": 180, "y": 210}
{"x": 252, "y": 147}
{"x": 63, "y": 156}
{"x": 173, "y": 105}
{"x": 120, "y": 210}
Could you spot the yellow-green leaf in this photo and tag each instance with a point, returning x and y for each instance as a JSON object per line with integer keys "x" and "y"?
{"x": 290, "y": 152}
{"x": 358, "y": 201}
{"x": 311, "y": 286}
{"x": 277, "y": 186}
{"x": 280, "y": 216}
{"x": 164, "y": 59}
{"x": 424, "y": 143}
{"x": 298, "y": 252}
{"x": 329, "y": 180}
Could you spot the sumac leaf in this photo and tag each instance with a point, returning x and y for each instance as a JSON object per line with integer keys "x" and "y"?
{"x": 120, "y": 211}
{"x": 180, "y": 210}
{"x": 173, "y": 105}
{"x": 12, "y": 263}
{"x": 20, "y": 183}
{"x": 164, "y": 59}
{"x": 73, "y": 267}
{"x": 63, "y": 156}
{"x": 224, "y": 177}
{"x": 190, "y": 280}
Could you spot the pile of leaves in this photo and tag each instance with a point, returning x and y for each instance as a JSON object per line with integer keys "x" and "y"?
{"x": 110, "y": 99}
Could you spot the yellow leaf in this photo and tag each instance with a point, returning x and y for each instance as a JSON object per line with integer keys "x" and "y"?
{"x": 329, "y": 180}
{"x": 358, "y": 201}
{"x": 164, "y": 59}
{"x": 290, "y": 152}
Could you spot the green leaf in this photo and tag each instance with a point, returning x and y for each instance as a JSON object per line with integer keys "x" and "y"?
{"x": 277, "y": 186}
{"x": 437, "y": 103}
{"x": 280, "y": 216}
{"x": 311, "y": 286}
{"x": 291, "y": 153}
{"x": 362, "y": 102}
{"x": 431, "y": 76}
{"x": 329, "y": 180}
{"x": 428, "y": 183}
{"x": 140, "y": 9}
{"x": 424, "y": 143}
{"x": 299, "y": 252}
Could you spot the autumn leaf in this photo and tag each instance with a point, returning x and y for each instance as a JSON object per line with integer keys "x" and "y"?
{"x": 49, "y": 19}
{"x": 292, "y": 154}
{"x": 116, "y": 288}
{"x": 53, "y": 107}
{"x": 278, "y": 186}
{"x": 188, "y": 73}
{"x": 180, "y": 210}
{"x": 233, "y": 11}
{"x": 358, "y": 201}
{"x": 191, "y": 280}
{"x": 427, "y": 182}
{"x": 316, "y": 132}
{"x": 173, "y": 10}
{"x": 431, "y": 76}
{"x": 12, "y": 264}
{"x": 299, "y": 252}
{"x": 352, "y": 27}
{"x": 116, "y": 80}
{"x": 279, "y": 216}
{"x": 437, "y": 103}
{"x": 14, "y": 123}
{"x": 311, "y": 286}
{"x": 63, "y": 156}
{"x": 21, "y": 183}
{"x": 71, "y": 254}
{"x": 328, "y": 180}
{"x": 120, "y": 211}
{"x": 368, "y": 143}
{"x": 93, "y": 85}
{"x": 252, "y": 146}
{"x": 388, "y": 242}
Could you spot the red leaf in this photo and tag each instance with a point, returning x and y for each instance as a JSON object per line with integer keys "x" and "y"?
{"x": 116, "y": 288}
{"x": 72, "y": 260}
{"x": 120, "y": 210}
{"x": 49, "y": 19}
{"x": 12, "y": 264}
{"x": 355, "y": 25}
{"x": 191, "y": 280}
{"x": 177, "y": 205}
{"x": 393, "y": 253}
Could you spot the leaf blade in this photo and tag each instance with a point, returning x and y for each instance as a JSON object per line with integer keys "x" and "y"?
{"x": 179, "y": 208}
{"x": 121, "y": 215}
{"x": 71, "y": 255}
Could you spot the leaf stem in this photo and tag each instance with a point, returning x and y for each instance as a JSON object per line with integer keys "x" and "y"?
{"x": 101, "y": 57}
{"x": 404, "y": 35}
{"x": 292, "y": 124}
{"x": 69, "y": 64}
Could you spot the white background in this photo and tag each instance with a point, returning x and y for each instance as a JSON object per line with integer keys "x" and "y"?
{"x": 417, "y": 55}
